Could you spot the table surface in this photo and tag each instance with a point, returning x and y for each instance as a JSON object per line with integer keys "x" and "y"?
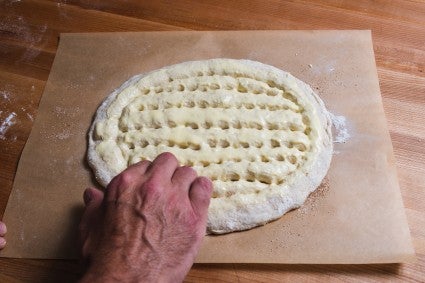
{"x": 29, "y": 32}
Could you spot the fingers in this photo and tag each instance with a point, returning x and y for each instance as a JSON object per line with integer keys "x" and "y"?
{"x": 138, "y": 168}
{"x": 200, "y": 195}
{"x": 156, "y": 175}
{"x": 122, "y": 187}
{"x": 163, "y": 167}
{"x": 183, "y": 177}
{"x": 3, "y": 231}
{"x": 124, "y": 183}
{"x": 92, "y": 197}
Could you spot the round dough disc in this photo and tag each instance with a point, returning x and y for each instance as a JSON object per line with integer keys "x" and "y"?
{"x": 261, "y": 135}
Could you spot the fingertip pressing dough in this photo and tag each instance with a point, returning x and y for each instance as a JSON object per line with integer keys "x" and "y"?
{"x": 261, "y": 135}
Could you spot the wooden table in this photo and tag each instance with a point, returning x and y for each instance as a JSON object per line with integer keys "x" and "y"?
{"x": 29, "y": 33}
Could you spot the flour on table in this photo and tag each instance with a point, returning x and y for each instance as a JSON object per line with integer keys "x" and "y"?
{"x": 65, "y": 134}
{"x": 341, "y": 132}
{"x": 5, "y": 95}
{"x": 34, "y": 36}
{"x": 30, "y": 117}
{"x": 6, "y": 124}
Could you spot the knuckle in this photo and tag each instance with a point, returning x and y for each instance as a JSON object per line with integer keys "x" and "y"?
{"x": 151, "y": 186}
{"x": 125, "y": 179}
{"x": 120, "y": 184}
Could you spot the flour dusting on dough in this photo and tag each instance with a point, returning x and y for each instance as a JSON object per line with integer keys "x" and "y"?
{"x": 340, "y": 124}
{"x": 248, "y": 130}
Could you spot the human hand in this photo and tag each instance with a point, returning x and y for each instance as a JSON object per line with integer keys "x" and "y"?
{"x": 3, "y": 231}
{"x": 149, "y": 224}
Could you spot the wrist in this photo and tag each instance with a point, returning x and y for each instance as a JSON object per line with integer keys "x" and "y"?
{"x": 94, "y": 275}
{"x": 120, "y": 272}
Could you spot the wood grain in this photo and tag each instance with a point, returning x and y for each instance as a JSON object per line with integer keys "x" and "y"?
{"x": 29, "y": 32}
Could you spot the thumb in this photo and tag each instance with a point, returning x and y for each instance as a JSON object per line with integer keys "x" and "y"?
{"x": 93, "y": 199}
{"x": 200, "y": 195}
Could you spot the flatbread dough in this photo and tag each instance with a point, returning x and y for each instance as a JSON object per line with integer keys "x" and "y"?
{"x": 261, "y": 135}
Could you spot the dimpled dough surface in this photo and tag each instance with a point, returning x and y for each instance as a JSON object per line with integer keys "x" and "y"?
{"x": 260, "y": 134}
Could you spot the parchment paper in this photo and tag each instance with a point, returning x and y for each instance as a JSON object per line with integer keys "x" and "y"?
{"x": 357, "y": 216}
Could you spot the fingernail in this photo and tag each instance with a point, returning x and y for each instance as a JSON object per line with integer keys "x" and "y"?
{"x": 2, "y": 242}
{"x": 87, "y": 196}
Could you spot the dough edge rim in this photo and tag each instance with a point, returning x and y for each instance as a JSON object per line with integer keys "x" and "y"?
{"x": 298, "y": 191}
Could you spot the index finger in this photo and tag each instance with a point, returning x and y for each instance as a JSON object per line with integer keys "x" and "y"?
{"x": 124, "y": 183}
{"x": 163, "y": 167}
